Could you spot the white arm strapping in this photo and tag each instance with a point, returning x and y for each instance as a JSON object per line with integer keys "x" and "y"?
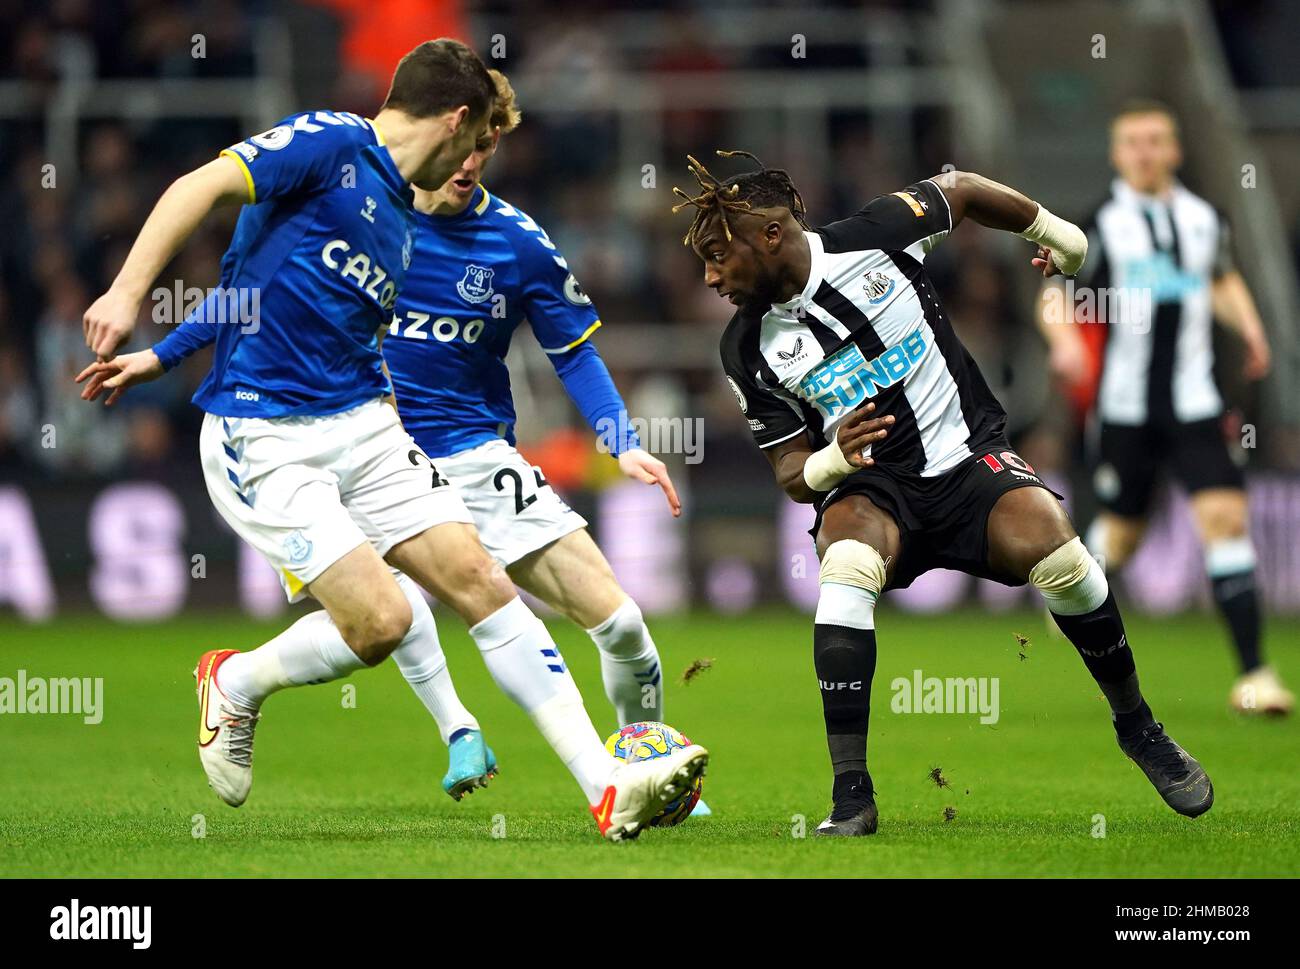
{"x": 826, "y": 468}
{"x": 1067, "y": 241}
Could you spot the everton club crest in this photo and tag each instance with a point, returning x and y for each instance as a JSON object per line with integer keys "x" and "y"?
{"x": 476, "y": 285}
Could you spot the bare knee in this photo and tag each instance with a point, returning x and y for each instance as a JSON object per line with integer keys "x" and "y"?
{"x": 1123, "y": 535}
{"x": 480, "y": 589}
{"x": 1114, "y": 538}
{"x": 450, "y": 562}
{"x": 378, "y": 631}
{"x": 1220, "y": 515}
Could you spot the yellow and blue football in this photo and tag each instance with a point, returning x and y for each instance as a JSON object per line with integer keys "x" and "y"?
{"x": 649, "y": 739}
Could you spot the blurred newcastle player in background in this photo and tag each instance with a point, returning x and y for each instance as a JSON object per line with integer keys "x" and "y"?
{"x": 1161, "y": 272}
{"x": 479, "y": 269}
{"x": 304, "y": 457}
{"x": 837, "y": 324}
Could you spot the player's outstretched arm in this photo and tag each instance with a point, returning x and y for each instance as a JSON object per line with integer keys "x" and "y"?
{"x": 589, "y": 385}
{"x": 803, "y": 473}
{"x": 1234, "y": 307}
{"x": 186, "y": 203}
{"x": 1062, "y": 245}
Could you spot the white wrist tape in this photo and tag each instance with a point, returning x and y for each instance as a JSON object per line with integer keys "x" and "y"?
{"x": 826, "y": 468}
{"x": 1066, "y": 240}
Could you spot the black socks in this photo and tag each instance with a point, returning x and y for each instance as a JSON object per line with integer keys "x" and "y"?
{"x": 1238, "y": 600}
{"x": 1103, "y": 645}
{"x": 845, "y": 660}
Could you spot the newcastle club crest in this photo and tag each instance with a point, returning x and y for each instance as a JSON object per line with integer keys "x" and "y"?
{"x": 476, "y": 285}
{"x": 878, "y": 286}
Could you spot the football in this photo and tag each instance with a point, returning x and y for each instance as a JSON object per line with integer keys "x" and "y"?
{"x": 649, "y": 739}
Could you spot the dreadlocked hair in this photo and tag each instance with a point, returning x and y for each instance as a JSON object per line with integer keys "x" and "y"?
{"x": 745, "y": 192}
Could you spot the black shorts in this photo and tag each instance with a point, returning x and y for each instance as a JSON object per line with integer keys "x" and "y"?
{"x": 1130, "y": 458}
{"x": 942, "y": 521}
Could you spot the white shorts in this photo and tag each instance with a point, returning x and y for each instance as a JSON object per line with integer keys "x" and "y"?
{"x": 305, "y": 491}
{"x": 515, "y": 510}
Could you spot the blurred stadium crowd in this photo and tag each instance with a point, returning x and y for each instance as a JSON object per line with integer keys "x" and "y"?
{"x": 64, "y": 236}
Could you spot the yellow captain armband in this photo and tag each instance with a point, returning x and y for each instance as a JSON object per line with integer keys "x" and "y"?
{"x": 243, "y": 167}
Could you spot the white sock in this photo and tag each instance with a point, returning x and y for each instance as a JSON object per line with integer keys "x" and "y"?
{"x": 310, "y": 651}
{"x": 1229, "y": 556}
{"x": 424, "y": 665}
{"x": 846, "y": 605}
{"x": 527, "y": 666}
{"x": 629, "y": 665}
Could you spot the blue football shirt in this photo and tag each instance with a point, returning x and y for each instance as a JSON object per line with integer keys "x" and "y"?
{"x": 319, "y": 254}
{"x": 474, "y": 278}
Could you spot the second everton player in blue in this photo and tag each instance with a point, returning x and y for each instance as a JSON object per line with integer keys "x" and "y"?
{"x": 482, "y": 269}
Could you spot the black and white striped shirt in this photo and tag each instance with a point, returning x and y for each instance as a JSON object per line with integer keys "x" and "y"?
{"x": 867, "y": 326}
{"x": 1150, "y": 264}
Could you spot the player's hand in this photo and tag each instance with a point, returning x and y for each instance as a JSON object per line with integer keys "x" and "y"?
{"x": 859, "y": 431}
{"x": 644, "y": 466}
{"x": 118, "y": 374}
{"x": 1259, "y": 359}
{"x": 1043, "y": 261}
{"x": 109, "y": 322}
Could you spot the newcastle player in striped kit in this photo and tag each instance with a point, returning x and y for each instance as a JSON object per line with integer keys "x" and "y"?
{"x": 867, "y": 405}
{"x": 1162, "y": 257}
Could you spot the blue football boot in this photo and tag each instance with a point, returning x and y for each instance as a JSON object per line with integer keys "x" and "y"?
{"x": 472, "y": 764}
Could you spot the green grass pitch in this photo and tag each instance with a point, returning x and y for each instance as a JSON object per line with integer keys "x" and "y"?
{"x": 353, "y": 789}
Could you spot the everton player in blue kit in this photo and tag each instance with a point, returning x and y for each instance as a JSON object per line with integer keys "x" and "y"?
{"x": 481, "y": 267}
{"x": 303, "y": 456}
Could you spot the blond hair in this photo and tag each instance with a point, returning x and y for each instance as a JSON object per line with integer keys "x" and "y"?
{"x": 505, "y": 112}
